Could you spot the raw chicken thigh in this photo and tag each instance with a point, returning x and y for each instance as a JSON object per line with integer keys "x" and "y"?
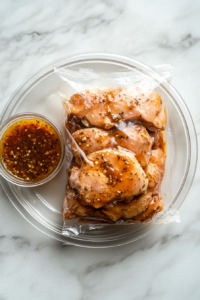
{"x": 118, "y": 147}
{"x": 72, "y": 208}
{"x": 106, "y": 109}
{"x": 114, "y": 175}
{"x": 128, "y": 210}
{"x": 140, "y": 208}
{"x": 129, "y": 136}
{"x": 156, "y": 169}
{"x": 156, "y": 205}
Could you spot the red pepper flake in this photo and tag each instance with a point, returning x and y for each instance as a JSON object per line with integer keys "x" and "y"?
{"x": 16, "y": 145}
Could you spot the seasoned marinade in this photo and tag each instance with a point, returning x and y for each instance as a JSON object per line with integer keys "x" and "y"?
{"x": 30, "y": 149}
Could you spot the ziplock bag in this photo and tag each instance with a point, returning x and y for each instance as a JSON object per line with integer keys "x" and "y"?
{"x": 112, "y": 117}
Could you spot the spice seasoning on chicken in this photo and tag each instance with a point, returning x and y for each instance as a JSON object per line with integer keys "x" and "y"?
{"x": 126, "y": 145}
{"x": 30, "y": 149}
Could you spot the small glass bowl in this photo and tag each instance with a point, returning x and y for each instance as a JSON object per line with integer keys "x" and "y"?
{"x": 16, "y": 180}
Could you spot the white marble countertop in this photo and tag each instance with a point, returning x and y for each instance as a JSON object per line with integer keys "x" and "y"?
{"x": 165, "y": 265}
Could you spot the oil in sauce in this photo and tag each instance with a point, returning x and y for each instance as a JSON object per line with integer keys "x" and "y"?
{"x": 30, "y": 149}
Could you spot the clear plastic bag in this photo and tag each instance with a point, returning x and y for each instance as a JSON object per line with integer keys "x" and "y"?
{"x": 86, "y": 96}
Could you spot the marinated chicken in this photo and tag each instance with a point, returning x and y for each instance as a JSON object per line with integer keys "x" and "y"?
{"x": 129, "y": 209}
{"x": 129, "y": 136}
{"x": 143, "y": 208}
{"x": 145, "y": 202}
{"x": 155, "y": 135}
{"x": 156, "y": 169}
{"x": 118, "y": 156}
{"x": 114, "y": 175}
{"x": 159, "y": 139}
{"x": 156, "y": 205}
{"x": 72, "y": 208}
{"x": 106, "y": 109}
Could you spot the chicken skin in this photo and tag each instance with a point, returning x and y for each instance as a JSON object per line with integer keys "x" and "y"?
{"x": 159, "y": 139}
{"x": 156, "y": 169}
{"x": 127, "y": 210}
{"x": 156, "y": 205}
{"x": 141, "y": 208}
{"x": 72, "y": 208}
{"x": 145, "y": 202}
{"x": 114, "y": 175}
{"x": 129, "y": 136}
{"x": 106, "y": 109}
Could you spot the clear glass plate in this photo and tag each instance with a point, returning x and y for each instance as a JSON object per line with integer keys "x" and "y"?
{"x": 41, "y": 205}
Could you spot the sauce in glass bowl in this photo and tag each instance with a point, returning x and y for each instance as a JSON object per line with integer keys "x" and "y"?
{"x": 31, "y": 149}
